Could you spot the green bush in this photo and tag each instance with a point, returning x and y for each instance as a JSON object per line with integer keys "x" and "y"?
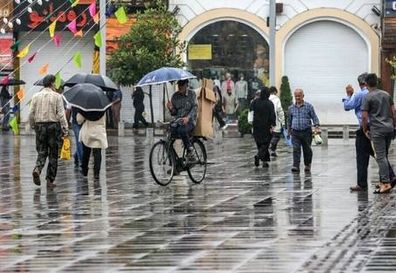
{"x": 243, "y": 126}
{"x": 286, "y": 97}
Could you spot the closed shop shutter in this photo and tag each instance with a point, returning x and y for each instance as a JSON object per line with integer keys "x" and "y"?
{"x": 322, "y": 58}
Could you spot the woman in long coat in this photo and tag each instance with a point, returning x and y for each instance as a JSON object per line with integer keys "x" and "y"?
{"x": 263, "y": 120}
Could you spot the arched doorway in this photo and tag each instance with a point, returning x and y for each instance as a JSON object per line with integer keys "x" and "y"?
{"x": 229, "y": 46}
{"x": 322, "y": 57}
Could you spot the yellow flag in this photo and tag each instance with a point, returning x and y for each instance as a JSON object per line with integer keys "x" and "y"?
{"x": 43, "y": 70}
{"x": 52, "y": 29}
{"x": 75, "y": 3}
{"x": 24, "y": 52}
{"x": 21, "y": 94}
{"x": 121, "y": 15}
{"x": 58, "y": 80}
{"x": 98, "y": 39}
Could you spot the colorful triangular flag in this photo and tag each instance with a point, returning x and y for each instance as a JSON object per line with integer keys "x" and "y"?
{"x": 72, "y": 26}
{"x": 24, "y": 52}
{"x": 14, "y": 125}
{"x": 21, "y": 94}
{"x": 52, "y": 28}
{"x": 14, "y": 47}
{"x": 79, "y": 33}
{"x": 98, "y": 39}
{"x": 75, "y": 3}
{"x": 5, "y": 80}
{"x": 15, "y": 109}
{"x": 121, "y": 15}
{"x": 96, "y": 18}
{"x": 92, "y": 9}
{"x": 77, "y": 59}
{"x": 43, "y": 70}
{"x": 58, "y": 80}
{"x": 57, "y": 39}
{"x": 31, "y": 58}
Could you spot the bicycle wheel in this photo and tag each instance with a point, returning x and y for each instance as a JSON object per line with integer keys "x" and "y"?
{"x": 197, "y": 170}
{"x": 162, "y": 163}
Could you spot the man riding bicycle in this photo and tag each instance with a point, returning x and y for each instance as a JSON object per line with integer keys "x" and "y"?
{"x": 183, "y": 106}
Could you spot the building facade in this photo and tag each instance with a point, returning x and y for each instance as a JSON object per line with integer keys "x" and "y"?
{"x": 320, "y": 45}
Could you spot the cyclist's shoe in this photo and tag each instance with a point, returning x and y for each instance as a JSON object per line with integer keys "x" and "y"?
{"x": 191, "y": 156}
{"x": 175, "y": 172}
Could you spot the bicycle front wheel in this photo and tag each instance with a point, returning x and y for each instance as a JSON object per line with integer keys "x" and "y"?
{"x": 197, "y": 170}
{"x": 162, "y": 163}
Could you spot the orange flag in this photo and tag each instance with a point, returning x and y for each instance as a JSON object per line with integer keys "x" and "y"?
{"x": 21, "y": 94}
{"x": 96, "y": 18}
{"x": 79, "y": 33}
{"x": 44, "y": 70}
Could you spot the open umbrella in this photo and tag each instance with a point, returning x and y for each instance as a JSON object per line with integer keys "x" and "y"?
{"x": 165, "y": 74}
{"x": 8, "y": 82}
{"x": 40, "y": 82}
{"x": 104, "y": 82}
{"x": 87, "y": 97}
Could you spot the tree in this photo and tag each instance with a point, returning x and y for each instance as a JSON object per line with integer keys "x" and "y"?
{"x": 151, "y": 43}
{"x": 285, "y": 94}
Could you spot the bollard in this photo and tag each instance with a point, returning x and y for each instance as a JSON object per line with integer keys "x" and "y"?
{"x": 121, "y": 129}
{"x": 345, "y": 132}
{"x": 325, "y": 136}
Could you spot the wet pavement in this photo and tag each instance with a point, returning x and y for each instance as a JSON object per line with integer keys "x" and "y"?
{"x": 240, "y": 219}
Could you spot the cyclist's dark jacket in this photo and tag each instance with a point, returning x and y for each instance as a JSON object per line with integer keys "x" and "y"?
{"x": 185, "y": 105}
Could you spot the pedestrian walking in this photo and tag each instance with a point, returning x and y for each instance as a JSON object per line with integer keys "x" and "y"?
{"x": 93, "y": 137}
{"x": 138, "y": 103}
{"x": 263, "y": 120}
{"x": 116, "y": 107}
{"x": 230, "y": 105}
{"x": 72, "y": 112}
{"x": 218, "y": 109}
{"x": 379, "y": 109}
{"x": 47, "y": 118}
{"x": 301, "y": 116}
{"x": 280, "y": 120}
{"x": 5, "y": 107}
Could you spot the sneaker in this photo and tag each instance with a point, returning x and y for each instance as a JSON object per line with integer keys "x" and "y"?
{"x": 295, "y": 169}
{"x": 36, "y": 177}
{"x": 256, "y": 161}
{"x": 307, "y": 168}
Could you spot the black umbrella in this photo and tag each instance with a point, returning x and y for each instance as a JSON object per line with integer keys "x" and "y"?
{"x": 104, "y": 82}
{"x": 8, "y": 82}
{"x": 87, "y": 97}
{"x": 40, "y": 82}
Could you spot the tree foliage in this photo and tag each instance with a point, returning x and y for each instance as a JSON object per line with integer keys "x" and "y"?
{"x": 285, "y": 94}
{"x": 151, "y": 43}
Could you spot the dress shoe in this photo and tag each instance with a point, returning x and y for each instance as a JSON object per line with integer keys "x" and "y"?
{"x": 36, "y": 177}
{"x": 307, "y": 168}
{"x": 256, "y": 161}
{"x": 265, "y": 165}
{"x": 295, "y": 169}
{"x": 357, "y": 188}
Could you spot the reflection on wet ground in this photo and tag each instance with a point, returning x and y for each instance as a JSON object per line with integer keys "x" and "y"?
{"x": 241, "y": 219}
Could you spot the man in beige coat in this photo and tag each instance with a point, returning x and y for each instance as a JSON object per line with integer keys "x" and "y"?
{"x": 93, "y": 138}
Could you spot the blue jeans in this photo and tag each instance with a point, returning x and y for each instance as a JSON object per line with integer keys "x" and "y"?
{"x": 183, "y": 131}
{"x": 79, "y": 149}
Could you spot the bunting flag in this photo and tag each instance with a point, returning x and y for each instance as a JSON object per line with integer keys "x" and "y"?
{"x": 74, "y": 3}
{"x": 96, "y": 62}
{"x": 43, "y": 70}
{"x": 14, "y": 125}
{"x": 96, "y": 18}
{"x": 57, "y": 40}
{"x": 24, "y": 52}
{"x": 58, "y": 80}
{"x": 52, "y": 28}
{"x": 15, "y": 109}
{"x": 98, "y": 39}
{"x": 5, "y": 80}
{"x": 31, "y": 58}
{"x": 77, "y": 59}
{"x": 14, "y": 47}
{"x": 79, "y": 33}
{"x": 21, "y": 94}
{"x": 121, "y": 15}
{"x": 92, "y": 9}
{"x": 72, "y": 26}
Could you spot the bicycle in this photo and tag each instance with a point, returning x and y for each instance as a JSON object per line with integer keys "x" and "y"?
{"x": 165, "y": 162}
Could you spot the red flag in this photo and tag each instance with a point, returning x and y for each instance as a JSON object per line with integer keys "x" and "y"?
{"x": 31, "y": 58}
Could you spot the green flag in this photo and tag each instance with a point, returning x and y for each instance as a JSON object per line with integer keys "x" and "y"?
{"x": 58, "y": 80}
{"x": 14, "y": 126}
{"x": 98, "y": 39}
{"x": 121, "y": 15}
{"x": 14, "y": 47}
{"x": 77, "y": 59}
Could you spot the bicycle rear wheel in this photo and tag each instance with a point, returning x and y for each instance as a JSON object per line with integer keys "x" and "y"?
{"x": 197, "y": 170}
{"x": 162, "y": 163}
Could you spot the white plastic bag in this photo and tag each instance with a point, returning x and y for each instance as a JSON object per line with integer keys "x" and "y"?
{"x": 250, "y": 117}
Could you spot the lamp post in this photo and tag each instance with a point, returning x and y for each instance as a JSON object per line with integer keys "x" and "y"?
{"x": 102, "y": 29}
{"x": 272, "y": 31}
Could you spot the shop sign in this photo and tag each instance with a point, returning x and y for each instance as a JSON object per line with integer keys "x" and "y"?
{"x": 390, "y": 8}
{"x": 200, "y": 52}
{"x": 43, "y": 15}
{"x": 6, "y": 42}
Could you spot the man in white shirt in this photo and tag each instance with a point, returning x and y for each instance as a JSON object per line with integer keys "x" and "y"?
{"x": 280, "y": 119}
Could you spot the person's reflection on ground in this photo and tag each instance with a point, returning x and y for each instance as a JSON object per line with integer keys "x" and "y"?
{"x": 363, "y": 219}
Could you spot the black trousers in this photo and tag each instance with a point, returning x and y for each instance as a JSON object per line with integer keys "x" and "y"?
{"x": 217, "y": 115}
{"x": 262, "y": 139}
{"x": 48, "y": 139}
{"x": 139, "y": 117}
{"x": 302, "y": 139}
{"x": 97, "y": 154}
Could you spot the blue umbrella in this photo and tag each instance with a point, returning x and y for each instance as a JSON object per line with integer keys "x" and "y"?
{"x": 165, "y": 74}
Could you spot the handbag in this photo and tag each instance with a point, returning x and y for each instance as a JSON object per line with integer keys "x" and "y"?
{"x": 66, "y": 149}
{"x": 250, "y": 117}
